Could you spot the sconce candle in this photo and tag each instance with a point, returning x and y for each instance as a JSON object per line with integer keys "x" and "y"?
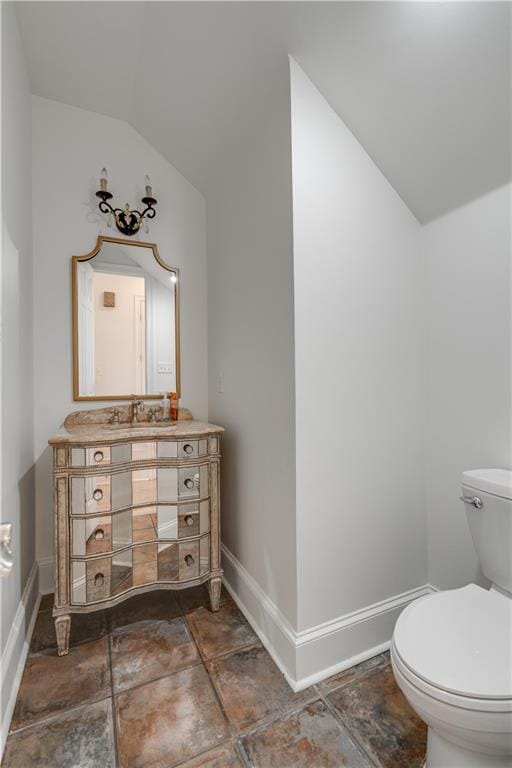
{"x": 127, "y": 221}
{"x": 103, "y": 180}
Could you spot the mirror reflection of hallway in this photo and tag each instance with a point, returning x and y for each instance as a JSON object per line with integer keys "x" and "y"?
{"x": 119, "y": 333}
{"x": 125, "y": 306}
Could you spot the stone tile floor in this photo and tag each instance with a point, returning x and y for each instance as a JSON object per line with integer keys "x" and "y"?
{"x": 160, "y": 682}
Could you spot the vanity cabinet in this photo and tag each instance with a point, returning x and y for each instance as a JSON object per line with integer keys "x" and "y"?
{"x": 136, "y": 508}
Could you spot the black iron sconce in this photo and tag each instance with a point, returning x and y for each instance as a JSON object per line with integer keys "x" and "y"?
{"x": 127, "y": 221}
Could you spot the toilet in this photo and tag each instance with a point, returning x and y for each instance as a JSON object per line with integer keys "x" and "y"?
{"x": 452, "y": 651}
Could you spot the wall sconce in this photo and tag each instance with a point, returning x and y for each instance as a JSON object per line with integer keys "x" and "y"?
{"x": 127, "y": 221}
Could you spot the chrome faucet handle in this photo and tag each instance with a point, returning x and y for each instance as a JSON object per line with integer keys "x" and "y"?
{"x": 136, "y": 404}
{"x": 114, "y": 419}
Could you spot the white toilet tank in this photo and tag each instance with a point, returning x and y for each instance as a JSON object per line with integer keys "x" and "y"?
{"x": 487, "y": 496}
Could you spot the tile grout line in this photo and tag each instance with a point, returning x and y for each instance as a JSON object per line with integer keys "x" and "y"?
{"x": 276, "y": 717}
{"x": 206, "y": 751}
{"x": 156, "y": 679}
{"x": 214, "y": 689}
{"x": 263, "y": 722}
{"x": 353, "y": 737}
{"x": 226, "y": 654}
{"x": 57, "y": 716}
{"x": 242, "y": 754}
{"x": 58, "y": 713}
{"x": 113, "y": 704}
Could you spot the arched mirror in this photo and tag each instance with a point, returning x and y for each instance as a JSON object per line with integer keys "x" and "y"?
{"x": 125, "y": 322}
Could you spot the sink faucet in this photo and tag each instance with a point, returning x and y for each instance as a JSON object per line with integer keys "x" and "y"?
{"x": 136, "y": 405}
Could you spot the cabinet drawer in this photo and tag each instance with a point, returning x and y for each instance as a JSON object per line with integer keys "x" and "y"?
{"x": 93, "y": 535}
{"x": 106, "y": 577}
{"x": 193, "y": 519}
{"x": 101, "y": 578}
{"x": 90, "y": 495}
{"x": 183, "y": 520}
{"x": 181, "y": 483}
{"x": 191, "y": 449}
{"x": 100, "y": 493}
{"x": 91, "y": 457}
{"x": 179, "y": 561}
{"x": 108, "y": 533}
{"x": 110, "y": 455}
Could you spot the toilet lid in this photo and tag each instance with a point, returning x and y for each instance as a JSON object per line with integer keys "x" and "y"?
{"x": 460, "y": 641}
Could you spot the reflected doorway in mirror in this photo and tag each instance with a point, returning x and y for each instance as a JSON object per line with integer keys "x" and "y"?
{"x": 125, "y": 322}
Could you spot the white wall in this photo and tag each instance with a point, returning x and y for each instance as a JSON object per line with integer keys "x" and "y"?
{"x": 17, "y": 433}
{"x": 359, "y": 372}
{"x": 468, "y": 257}
{"x": 250, "y": 342}
{"x": 70, "y": 146}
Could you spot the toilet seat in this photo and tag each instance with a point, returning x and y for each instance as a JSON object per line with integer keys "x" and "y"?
{"x": 457, "y": 647}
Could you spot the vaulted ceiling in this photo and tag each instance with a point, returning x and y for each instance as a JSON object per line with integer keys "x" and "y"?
{"x": 424, "y": 86}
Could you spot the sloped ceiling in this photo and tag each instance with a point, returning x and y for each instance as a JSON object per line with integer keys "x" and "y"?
{"x": 425, "y": 87}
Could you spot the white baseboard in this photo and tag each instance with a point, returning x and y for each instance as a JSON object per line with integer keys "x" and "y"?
{"x": 46, "y": 575}
{"x": 16, "y": 649}
{"x": 312, "y": 655}
{"x": 273, "y": 629}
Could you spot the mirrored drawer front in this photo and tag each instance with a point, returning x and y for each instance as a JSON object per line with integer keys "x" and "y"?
{"x": 177, "y": 483}
{"x": 91, "y": 457}
{"x": 100, "y": 493}
{"x": 183, "y": 520}
{"x": 116, "y": 454}
{"x": 105, "y": 493}
{"x": 106, "y": 577}
{"x": 189, "y": 449}
{"x": 102, "y": 578}
{"x": 90, "y": 495}
{"x": 183, "y": 560}
{"x": 143, "y": 451}
{"x": 91, "y": 536}
{"x": 144, "y": 524}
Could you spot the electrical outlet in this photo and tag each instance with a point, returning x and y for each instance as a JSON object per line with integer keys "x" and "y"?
{"x": 220, "y": 383}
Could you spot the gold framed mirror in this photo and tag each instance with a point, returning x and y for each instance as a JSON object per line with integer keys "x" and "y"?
{"x": 125, "y": 303}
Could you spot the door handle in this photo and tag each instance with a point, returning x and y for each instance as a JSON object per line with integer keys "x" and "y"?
{"x": 5, "y": 549}
{"x": 473, "y": 500}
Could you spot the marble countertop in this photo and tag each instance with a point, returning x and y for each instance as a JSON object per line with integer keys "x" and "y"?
{"x": 78, "y": 434}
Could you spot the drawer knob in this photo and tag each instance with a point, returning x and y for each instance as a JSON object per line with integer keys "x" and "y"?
{"x": 98, "y": 456}
{"x": 189, "y": 483}
{"x": 97, "y": 494}
{"x": 189, "y": 520}
{"x": 187, "y": 448}
{"x": 189, "y": 560}
{"x": 99, "y": 534}
{"x": 98, "y": 580}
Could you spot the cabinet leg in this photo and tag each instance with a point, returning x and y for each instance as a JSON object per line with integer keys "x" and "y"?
{"x": 62, "y": 630}
{"x": 214, "y": 587}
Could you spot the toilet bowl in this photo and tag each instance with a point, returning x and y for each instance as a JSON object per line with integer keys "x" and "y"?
{"x": 451, "y": 652}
